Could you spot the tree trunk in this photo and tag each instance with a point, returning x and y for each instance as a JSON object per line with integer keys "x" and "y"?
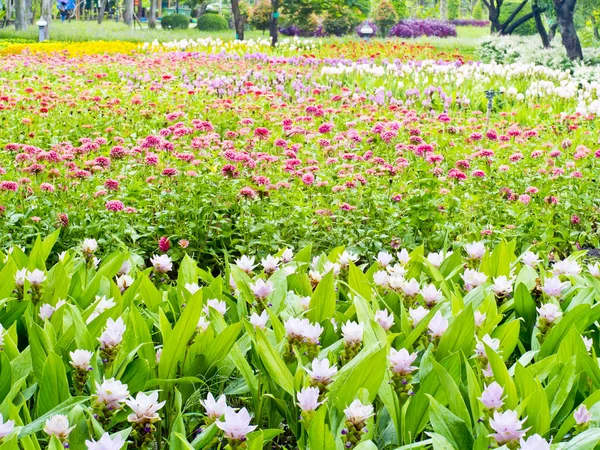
{"x": 552, "y": 32}
{"x": 539, "y": 26}
{"x": 510, "y": 18}
{"x": 8, "y": 14}
{"x": 493, "y": 14}
{"x": 273, "y": 25}
{"x": 594, "y": 27}
{"x": 152, "y": 15}
{"x": 564, "y": 16}
{"x": 101, "y": 9}
{"x": 20, "y": 15}
{"x": 47, "y": 16}
{"x": 238, "y": 20}
{"x": 443, "y": 9}
{"x": 128, "y": 12}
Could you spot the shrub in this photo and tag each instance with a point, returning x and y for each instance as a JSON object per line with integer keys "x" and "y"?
{"x": 339, "y": 23}
{"x": 400, "y": 8}
{"x": 526, "y": 29}
{"x": 175, "y": 22}
{"x": 478, "y": 11}
{"x": 453, "y": 9}
{"x": 362, "y": 24}
{"x": 260, "y": 16}
{"x": 306, "y": 28}
{"x": 470, "y": 23}
{"x": 212, "y": 22}
{"x": 385, "y": 16}
{"x": 415, "y": 28}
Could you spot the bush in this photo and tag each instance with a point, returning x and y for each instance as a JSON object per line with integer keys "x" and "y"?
{"x": 212, "y": 22}
{"x": 339, "y": 23}
{"x": 470, "y": 23}
{"x": 415, "y": 28}
{"x": 175, "y": 22}
{"x": 362, "y": 24}
{"x": 400, "y": 8}
{"x": 308, "y": 27}
{"x": 385, "y": 16}
{"x": 478, "y": 11}
{"x": 526, "y": 29}
{"x": 260, "y": 16}
{"x": 453, "y": 9}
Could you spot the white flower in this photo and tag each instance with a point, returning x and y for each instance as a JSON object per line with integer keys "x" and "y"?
{"x": 492, "y": 343}
{"x": 401, "y": 361}
{"x": 475, "y": 250}
{"x": 566, "y": 267}
{"x": 125, "y": 268}
{"x": 62, "y": 256}
{"x": 329, "y": 266}
{"x": 7, "y": 427}
{"x": 46, "y": 311}
{"x": 89, "y": 246}
{"x": 530, "y": 259}
{"x": 308, "y": 399}
{"x": 217, "y": 305}
{"x": 554, "y": 287}
{"x": 395, "y": 281}
{"x": 36, "y": 278}
{"x": 202, "y": 324}
{"x": 507, "y": 427}
{"x": 158, "y": 355}
{"x": 321, "y": 371}
{"x": 123, "y": 282}
{"x": 144, "y": 408}
{"x": 473, "y": 278}
{"x": 81, "y": 359}
{"x": 385, "y": 319}
{"x": 270, "y": 264}
{"x": 357, "y": 413}
{"x": 549, "y": 313}
{"x": 594, "y": 270}
{"x": 352, "y": 332}
{"x": 260, "y": 289}
{"x": 436, "y": 259}
{"x": 582, "y": 415}
{"x": 20, "y": 277}
{"x": 438, "y": 325}
{"x": 479, "y": 318}
{"x": 345, "y": 259}
{"x": 111, "y": 393}
{"x": 214, "y": 408}
{"x": 380, "y": 278}
{"x": 503, "y": 285}
{"x": 103, "y": 305}
{"x": 58, "y": 425}
{"x": 384, "y": 259}
{"x": 397, "y": 271}
{"x": 113, "y": 333}
{"x": 236, "y": 425}
{"x": 162, "y": 263}
{"x": 410, "y": 288}
{"x": 106, "y": 443}
{"x": 192, "y": 288}
{"x": 259, "y": 321}
{"x": 589, "y": 342}
{"x": 417, "y": 314}
{"x": 304, "y": 303}
{"x": 491, "y": 397}
{"x": 403, "y": 256}
{"x": 303, "y": 330}
{"x": 245, "y": 263}
{"x": 431, "y": 295}
{"x": 535, "y": 442}
{"x": 287, "y": 255}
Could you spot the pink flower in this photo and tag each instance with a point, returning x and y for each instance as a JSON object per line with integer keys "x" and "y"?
{"x": 401, "y": 361}
{"x": 261, "y": 133}
{"x": 247, "y": 192}
{"x": 115, "y": 205}
{"x": 184, "y": 243}
{"x": 164, "y": 244}
{"x": 170, "y": 172}
{"x": 308, "y": 179}
{"x": 507, "y": 426}
{"x": 347, "y": 207}
{"x": 47, "y": 187}
{"x": 491, "y": 397}
{"x": 582, "y": 415}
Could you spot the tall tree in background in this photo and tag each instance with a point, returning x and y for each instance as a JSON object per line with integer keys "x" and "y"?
{"x": 238, "y": 20}
{"x": 101, "y": 10}
{"x": 128, "y": 12}
{"x": 47, "y": 16}
{"x": 152, "y": 18}
{"x": 20, "y": 15}
{"x": 565, "y": 10}
{"x": 273, "y": 26}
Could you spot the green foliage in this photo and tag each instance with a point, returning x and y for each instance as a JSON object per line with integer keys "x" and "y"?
{"x": 453, "y": 9}
{"x": 478, "y": 11}
{"x": 212, "y": 22}
{"x": 340, "y": 22}
{"x": 525, "y": 29}
{"x": 260, "y": 15}
{"x": 385, "y": 16}
{"x": 175, "y": 22}
{"x": 401, "y": 8}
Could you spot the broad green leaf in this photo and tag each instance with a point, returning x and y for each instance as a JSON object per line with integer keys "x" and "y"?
{"x": 322, "y": 302}
{"x": 449, "y": 425}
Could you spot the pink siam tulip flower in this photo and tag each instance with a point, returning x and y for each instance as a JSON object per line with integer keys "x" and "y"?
{"x": 236, "y": 426}
{"x": 308, "y": 399}
{"x": 507, "y": 427}
{"x": 535, "y": 442}
{"x": 581, "y": 415}
{"x": 491, "y": 397}
{"x": 401, "y": 361}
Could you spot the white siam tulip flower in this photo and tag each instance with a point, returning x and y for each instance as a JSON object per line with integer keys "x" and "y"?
{"x": 380, "y": 278}
{"x": 62, "y": 256}
{"x": 6, "y": 428}
{"x": 346, "y": 258}
{"x": 594, "y": 270}
{"x": 289, "y": 270}
{"x": 438, "y": 325}
{"x": 308, "y": 399}
{"x": 214, "y": 408}
{"x": 385, "y": 319}
{"x": 411, "y": 287}
{"x": 259, "y": 321}
{"x": 125, "y": 268}
{"x": 352, "y": 332}
{"x": 396, "y": 282}
{"x": 20, "y": 277}
{"x": 123, "y": 282}
{"x": 270, "y": 264}
{"x": 589, "y": 342}
{"x": 315, "y": 276}
{"x": 102, "y": 306}
{"x": 236, "y": 426}
{"x": 106, "y": 443}
{"x": 158, "y": 355}
{"x": 397, "y": 271}
{"x": 436, "y": 259}
{"x": 492, "y": 343}
{"x": 36, "y": 278}
{"x": 549, "y": 313}
{"x": 81, "y": 359}
{"x": 357, "y": 413}
{"x": 89, "y": 246}
{"x": 403, "y": 256}
{"x": 111, "y": 393}
{"x": 58, "y": 425}
{"x": 553, "y": 287}
{"x": 287, "y": 255}
{"x": 246, "y": 263}
{"x": 479, "y": 318}
{"x": 321, "y": 371}
{"x": 502, "y": 286}
{"x": 417, "y": 314}
{"x": 162, "y": 264}
{"x": 304, "y": 303}
{"x": 384, "y": 259}
{"x": 329, "y": 266}
{"x": 431, "y": 295}
{"x": 113, "y": 333}
{"x": 192, "y": 288}
{"x": 566, "y": 267}
{"x": 260, "y": 289}
{"x": 217, "y": 305}
{"x": 582, "y": 415}
{"x": 46, "y": 311}
{"x": 530, "y": 259}
{"x": 492, "y": 396}
{"x": 507, "y": 427}
{"x": 535, "y": 442}
{"x": 475, "y": 250}
{"x": 145, "y": 408}
{"x": 401, "y": 361}
{"x": 473, "y": 278}
{"x": 203, "y": 324}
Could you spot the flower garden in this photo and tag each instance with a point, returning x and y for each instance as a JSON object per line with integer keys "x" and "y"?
{"x": 332, "y": 244}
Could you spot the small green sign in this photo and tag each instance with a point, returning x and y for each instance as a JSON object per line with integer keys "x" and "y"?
{"x": 275, "y": 14}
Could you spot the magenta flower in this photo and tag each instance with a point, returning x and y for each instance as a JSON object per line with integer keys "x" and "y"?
{"x": 115, "y": 205}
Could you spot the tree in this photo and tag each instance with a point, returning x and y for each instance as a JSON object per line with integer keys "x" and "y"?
{"x": 385, "y": 16}
{"x": 101, "y": 10}
{"x": 478, "y": 11}
{"x": 47, "y": 16}
{"x": 513, "y": 21}
{"x": 260, "y": 16}
{"x": 400, "y": 7}
{"x": 238, "y": 19}
{"x": 453, "y": 9}
{"x": 152, "y": 18}
{"x": 564, "y": 10}
{"x": 128, "y": 12}
{"x": 20, "y": 15}
{"x": 273, "y": 25}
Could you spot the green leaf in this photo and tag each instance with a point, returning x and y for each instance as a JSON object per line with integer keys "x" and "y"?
{"x": 455, "y": 400}
{"x": 5, "y": 376}
{"x": 319, "y": 433}
{"x": 218, "y": 349}
{"x": 359, "y": 283}
{"x": 459, "y": 335}
{"x": 502, "y": 376}
{"x": 63, "y": 408}
{"x": 322, "y": 302}
{"x": 54, "y": 388}
{"x": 188, "y": 272}
{"x": 450, "y": 426}
{"x": 274, "y": 363}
